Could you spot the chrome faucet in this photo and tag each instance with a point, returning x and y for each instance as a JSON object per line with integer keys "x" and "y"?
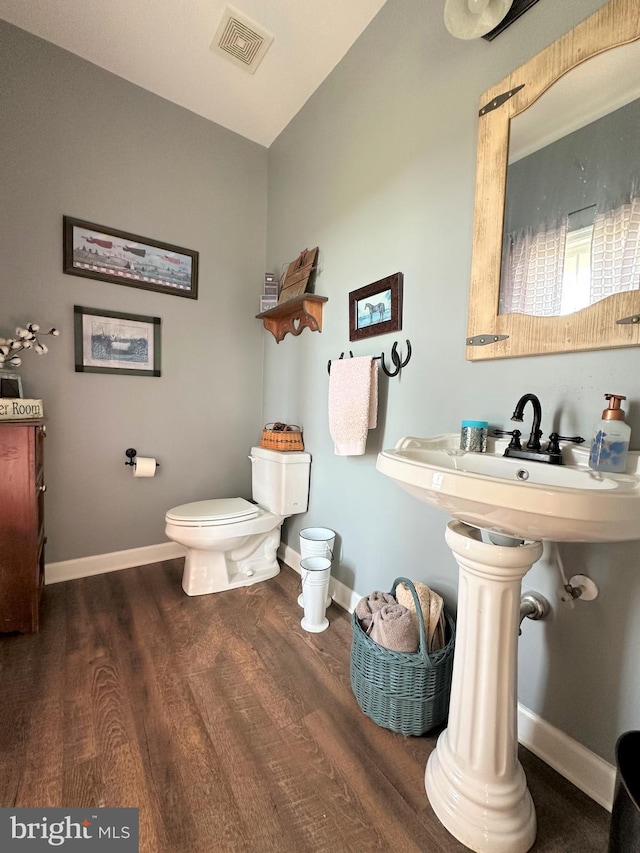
{"x": 533, "y": 450}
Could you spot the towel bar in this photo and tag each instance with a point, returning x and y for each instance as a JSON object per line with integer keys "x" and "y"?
{"x": 397, "y": 360}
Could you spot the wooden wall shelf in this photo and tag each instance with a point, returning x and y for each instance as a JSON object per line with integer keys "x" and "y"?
{"x": 293, "y": 316}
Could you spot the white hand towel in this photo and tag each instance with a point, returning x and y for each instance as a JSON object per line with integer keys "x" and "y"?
{"x": 373, "y": 396}
{"x": 353, "y": 403}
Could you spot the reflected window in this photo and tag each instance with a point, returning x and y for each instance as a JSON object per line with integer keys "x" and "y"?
{"x": 576, "y": 278}
{"x": 572, "y": 219}
{"x": 568, "y": 266}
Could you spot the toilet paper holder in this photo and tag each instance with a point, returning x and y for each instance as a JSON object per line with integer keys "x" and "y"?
{"x": 131, "y": 453}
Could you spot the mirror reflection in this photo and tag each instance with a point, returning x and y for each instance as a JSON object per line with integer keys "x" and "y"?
{"x": 514, "y": 124}
{"x": 572, "y": 214}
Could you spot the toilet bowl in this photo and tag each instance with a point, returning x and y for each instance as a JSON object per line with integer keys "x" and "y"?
{"x": 233, "y": 542}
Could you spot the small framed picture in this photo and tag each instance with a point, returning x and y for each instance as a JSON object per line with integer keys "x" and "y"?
{"x": 376, "y": 308}
{"x": 10, "y": 384}
{"x": 112, "y": 342}
{"x": 107, "y": 254}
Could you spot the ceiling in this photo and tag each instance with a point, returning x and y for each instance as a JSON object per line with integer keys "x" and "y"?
{"x": 164, "y": 46}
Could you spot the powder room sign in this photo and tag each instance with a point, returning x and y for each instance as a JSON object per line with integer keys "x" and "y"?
{"x": 19, "y": 409}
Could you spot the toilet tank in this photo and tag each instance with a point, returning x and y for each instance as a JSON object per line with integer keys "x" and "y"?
{"x": 280, "y": 481}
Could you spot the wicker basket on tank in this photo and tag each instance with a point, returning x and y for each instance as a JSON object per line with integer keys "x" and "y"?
{"x": 401, "y": 691}
{"x": 283, "y": 437}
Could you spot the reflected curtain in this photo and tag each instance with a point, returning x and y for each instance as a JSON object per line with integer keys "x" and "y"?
{"x": 533, "y": 267}
{"x": 615, "y": 252}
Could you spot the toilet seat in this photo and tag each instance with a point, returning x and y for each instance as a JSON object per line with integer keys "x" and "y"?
{"x": 213, "y": 512}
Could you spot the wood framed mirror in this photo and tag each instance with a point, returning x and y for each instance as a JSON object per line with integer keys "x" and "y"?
{"x": 587, "y": 56}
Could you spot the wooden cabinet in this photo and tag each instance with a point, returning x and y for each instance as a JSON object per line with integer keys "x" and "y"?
{"x": 21, "y": 524}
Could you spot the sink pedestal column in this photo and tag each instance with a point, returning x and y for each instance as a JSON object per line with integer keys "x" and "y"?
{"x": 474, "y": 781}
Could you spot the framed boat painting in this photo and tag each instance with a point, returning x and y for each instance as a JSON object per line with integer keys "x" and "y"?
{"x": 107, "y": 254}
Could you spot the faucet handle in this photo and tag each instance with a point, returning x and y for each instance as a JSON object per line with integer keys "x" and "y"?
{"x": 515, "y": 437}
{"x": 555, "y": 439}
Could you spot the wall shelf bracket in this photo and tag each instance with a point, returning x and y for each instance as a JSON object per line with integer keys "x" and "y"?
{"x": 294, "y": 315}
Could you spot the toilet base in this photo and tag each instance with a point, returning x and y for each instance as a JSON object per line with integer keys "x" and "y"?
{"x": 247, "y": 560}
{"x": 233, "y": 581}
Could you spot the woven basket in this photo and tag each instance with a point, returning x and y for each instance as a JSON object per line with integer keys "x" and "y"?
{"x": 281, "y": 437}
{"x": 407, "y": 693}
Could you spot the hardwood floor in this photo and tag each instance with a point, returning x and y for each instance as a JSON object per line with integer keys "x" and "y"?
{"x": 226, "y": 724}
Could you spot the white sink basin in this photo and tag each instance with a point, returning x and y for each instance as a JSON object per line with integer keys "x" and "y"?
{"x": 516, "y": 497}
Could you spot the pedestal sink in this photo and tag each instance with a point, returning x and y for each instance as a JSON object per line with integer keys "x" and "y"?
{"x": 503, "y": 507}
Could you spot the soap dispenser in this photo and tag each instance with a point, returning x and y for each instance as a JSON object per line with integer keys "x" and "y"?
{"x": 610, "y": 444}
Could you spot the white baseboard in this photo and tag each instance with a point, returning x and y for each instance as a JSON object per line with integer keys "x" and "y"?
{"x": 85, "y": 567}
{"x": 583, "y": 768}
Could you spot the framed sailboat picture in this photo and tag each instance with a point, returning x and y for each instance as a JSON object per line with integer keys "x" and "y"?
{"x": 107, "y": 254}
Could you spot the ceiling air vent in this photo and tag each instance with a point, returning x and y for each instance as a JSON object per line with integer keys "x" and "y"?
{"x": 241, "y": 40}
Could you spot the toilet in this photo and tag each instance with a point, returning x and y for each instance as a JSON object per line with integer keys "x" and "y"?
{"x": 233, "y": 542}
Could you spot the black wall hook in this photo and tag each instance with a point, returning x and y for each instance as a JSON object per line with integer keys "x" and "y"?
{"x": 396, "y": 359}
{"x": 340, "y": 356}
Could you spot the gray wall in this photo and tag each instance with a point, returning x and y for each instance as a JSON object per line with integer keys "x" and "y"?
{"x": 378, "y": 170}
{"x": 594, "y": 166}
{"x": 77, "y": 140}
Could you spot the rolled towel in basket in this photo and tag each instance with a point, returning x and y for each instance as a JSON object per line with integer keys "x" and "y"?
{"x": 369, "y": 605}
{"x": 395, "y": 628}
{"x": 432, "y": 607}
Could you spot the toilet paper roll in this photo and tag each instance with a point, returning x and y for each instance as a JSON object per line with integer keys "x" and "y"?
{"x": 145, "y": 466}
